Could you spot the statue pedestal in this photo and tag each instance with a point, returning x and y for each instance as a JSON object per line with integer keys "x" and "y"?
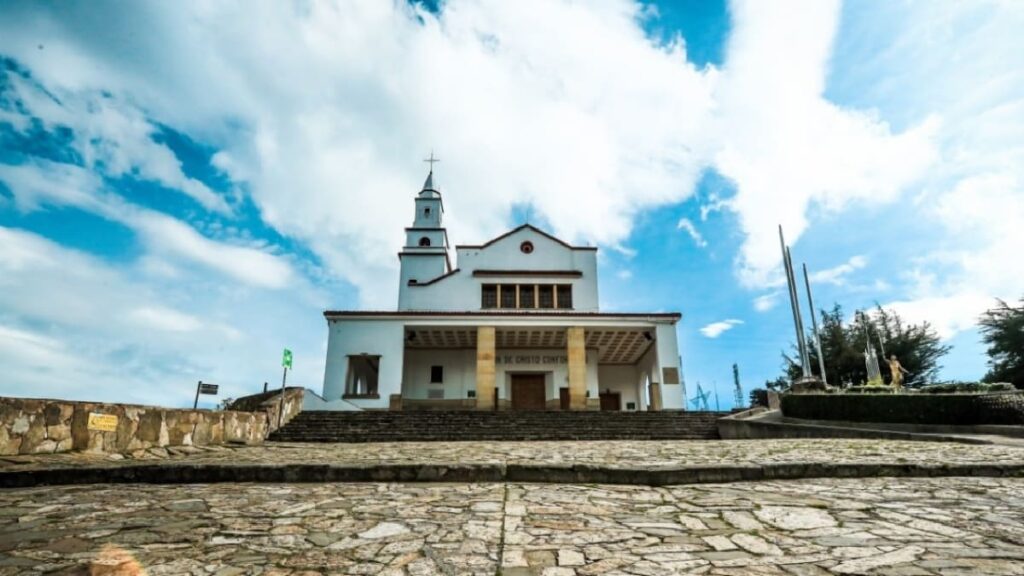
{"x": 808, "y": 385}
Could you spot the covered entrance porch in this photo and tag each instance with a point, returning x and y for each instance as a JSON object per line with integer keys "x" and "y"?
{"x": 532, "y": 367}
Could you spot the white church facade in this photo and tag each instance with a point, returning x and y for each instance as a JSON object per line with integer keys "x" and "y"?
{"x": 511, "y": 324}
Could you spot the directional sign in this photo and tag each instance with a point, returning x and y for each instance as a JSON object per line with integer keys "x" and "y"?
{"x": 102, "y": 422}
{"x": 207, "y": 388}
{"x": 286, "y": 358}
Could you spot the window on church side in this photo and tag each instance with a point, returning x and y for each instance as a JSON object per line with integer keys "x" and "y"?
{"x": 564, "y": 295}
{"x": 527, "y": 296}
{"x": 546, "y": 296}
{"x": 489, "y": 296}
{"x": 436, "y": 374}
{"x": 424, "y": 241}
{"x": 362, "y": 375}
{"x": 508, "y": 295}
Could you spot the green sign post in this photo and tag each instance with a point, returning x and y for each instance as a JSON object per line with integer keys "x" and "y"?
{"x": 286, "y": 363}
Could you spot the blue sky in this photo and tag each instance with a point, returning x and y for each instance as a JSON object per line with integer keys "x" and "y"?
{"x": 184, "y": 187}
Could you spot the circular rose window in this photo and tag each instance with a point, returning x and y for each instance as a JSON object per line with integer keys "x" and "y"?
{"x": 526, "y": 247}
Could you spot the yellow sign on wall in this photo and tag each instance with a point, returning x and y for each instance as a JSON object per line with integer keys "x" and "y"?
{"x": 102, "y": 422}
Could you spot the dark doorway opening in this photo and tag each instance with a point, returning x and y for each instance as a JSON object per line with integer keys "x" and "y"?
{"x": 611, "y": 401}
{"x": 528, "y": 392}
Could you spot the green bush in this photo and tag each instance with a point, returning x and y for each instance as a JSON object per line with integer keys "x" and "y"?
{"x": 868, "y": 390}
{"x": 965, "y": 388}
{"x": 934, "y": 408}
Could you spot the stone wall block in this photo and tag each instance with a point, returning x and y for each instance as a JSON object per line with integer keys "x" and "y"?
{"x": 216, "y": 428}
{"x": 163, "y": 439}
{"x": 35, "y": 434}
{"x": 149, "y": 426}
{"x": 95, "y": 442}
{"x": 127, "y": 428}
{"x": 201, "y": 433}
{"x": 234, "y": 428}
{"x": 58, "y": 432}
{"x": 9, "y": 445}
{"x": 80, "y": 428}
{"x": 51, "y": 413}
{"x": 175, "y": 432}
{"x": 47, "y": 446}
{"x": 21, "y": 423}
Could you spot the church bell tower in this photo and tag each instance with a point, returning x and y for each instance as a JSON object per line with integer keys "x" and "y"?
{"x": 425, "y": 255}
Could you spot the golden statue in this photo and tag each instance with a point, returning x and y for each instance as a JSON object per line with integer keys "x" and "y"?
{"x": 897, "y": 371}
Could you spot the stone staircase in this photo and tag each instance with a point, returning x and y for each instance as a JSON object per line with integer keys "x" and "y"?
{"x": 323, "y": 426}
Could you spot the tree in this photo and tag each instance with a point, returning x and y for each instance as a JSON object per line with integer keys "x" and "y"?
{"x": 1002, "y": 329}
{"x": 917, "y": 346}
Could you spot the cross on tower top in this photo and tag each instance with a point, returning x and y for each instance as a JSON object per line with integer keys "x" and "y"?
{"x": 431, "y": 160}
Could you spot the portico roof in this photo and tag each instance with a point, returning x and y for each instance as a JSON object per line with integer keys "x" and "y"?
{"x": 614, "y": 345}
{"x": 518, "y": 314}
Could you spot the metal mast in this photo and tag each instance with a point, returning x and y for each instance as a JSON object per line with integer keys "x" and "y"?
{"x": 814, "y": 326}
{"x": 794, "y": 302}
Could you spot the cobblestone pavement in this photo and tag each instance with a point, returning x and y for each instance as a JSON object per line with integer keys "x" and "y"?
{"x": 879, "y": 526}
{"x": 619, "y": 454}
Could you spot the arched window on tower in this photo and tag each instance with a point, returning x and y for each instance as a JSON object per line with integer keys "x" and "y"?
{"x": 426, "y": 211}
{"x": 424, "y": 241}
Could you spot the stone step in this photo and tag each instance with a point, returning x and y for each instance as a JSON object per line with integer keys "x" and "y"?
{"x": 321, "y": 426}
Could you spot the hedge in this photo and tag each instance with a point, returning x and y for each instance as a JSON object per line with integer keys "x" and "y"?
{"x": 943, "y": 409}
{"x": 969, "y": 387}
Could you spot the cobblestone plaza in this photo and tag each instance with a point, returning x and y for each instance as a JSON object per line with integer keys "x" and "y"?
{"x": 942, "y": 526}
{"x": 915, "y": 526}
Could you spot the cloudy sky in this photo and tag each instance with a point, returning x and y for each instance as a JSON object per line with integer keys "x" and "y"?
{"x": 186, "y": 186}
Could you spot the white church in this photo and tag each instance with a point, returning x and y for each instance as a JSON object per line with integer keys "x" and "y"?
{"x": 511, "y": 324}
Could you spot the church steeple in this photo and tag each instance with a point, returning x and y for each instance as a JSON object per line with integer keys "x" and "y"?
{"x": 425, "y": 255}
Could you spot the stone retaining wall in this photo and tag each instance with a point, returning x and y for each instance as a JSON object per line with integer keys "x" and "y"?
{"x": 39, "y": 426}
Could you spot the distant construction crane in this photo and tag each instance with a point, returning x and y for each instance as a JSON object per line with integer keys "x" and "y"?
{"x": 700, "y": 401}
{"x": 737, "y": 391}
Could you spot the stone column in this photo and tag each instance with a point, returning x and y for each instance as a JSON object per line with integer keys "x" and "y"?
{"x": 577, "y": 355}
{"x": 485, "y": 368}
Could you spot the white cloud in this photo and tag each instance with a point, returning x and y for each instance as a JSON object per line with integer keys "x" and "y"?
{"x": 785, "y": 146}
{"x": 985, "y": 213}
{"x": 42, "y": 183}
{"x": 323, "y": 113}
{"x": 111, "y": 137}
{"x": 624, "y": 274}
{"x": 766, "y": 302}
{"x": 715, "y": 329}
{"x": 73, "y": 326}
{"x": 837, "y": 274}
{"x": 687, "y": 225}
{"x": 947, "y": 314}
{"x": 165, "y": 319}
{"x": 962, "y": 60}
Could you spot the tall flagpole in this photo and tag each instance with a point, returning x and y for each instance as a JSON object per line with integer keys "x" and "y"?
{"x": 814, "y": 326}
{"x": 795, "y": 305}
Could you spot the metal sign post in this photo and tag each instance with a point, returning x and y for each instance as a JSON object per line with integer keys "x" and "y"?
{"x": 286, "y": 363}
{"x": 204, "y": 388}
